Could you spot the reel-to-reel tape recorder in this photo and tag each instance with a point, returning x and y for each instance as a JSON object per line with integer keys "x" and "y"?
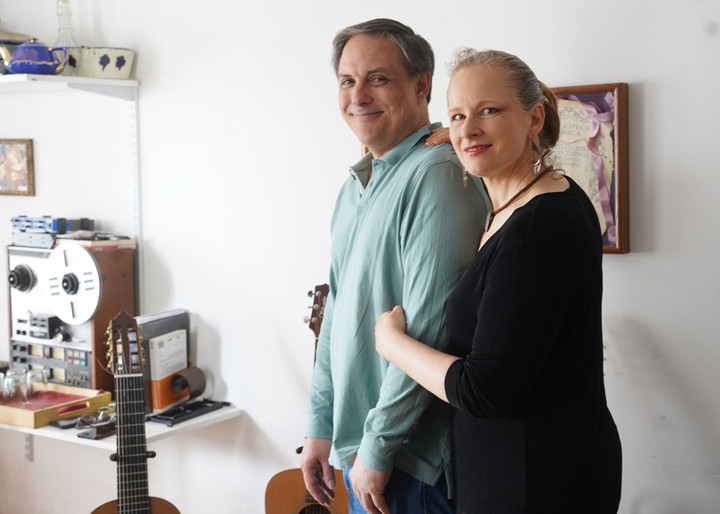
{"x": 61, "y": 302}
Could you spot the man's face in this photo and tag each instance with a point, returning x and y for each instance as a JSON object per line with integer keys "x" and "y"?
{"x": 381, "y": 104}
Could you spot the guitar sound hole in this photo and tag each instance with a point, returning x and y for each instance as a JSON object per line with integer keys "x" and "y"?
{"x": 315, "y": 509}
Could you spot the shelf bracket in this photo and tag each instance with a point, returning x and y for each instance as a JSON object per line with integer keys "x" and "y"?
{"x": 123, "y": 93}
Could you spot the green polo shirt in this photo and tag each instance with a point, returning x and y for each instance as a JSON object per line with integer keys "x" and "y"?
{"x": 403, "y": 237}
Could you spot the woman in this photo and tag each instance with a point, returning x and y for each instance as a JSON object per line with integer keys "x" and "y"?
{"x": 532, "y": 431}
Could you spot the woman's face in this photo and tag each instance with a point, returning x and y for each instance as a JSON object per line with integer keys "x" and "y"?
{"x": 489, "y": 129}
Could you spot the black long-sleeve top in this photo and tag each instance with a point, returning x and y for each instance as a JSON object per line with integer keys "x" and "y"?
{"x": 532, "y": 431}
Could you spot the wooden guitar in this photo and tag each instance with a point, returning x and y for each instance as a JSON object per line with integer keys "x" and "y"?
{"x": 125, "y": 359}
{"x": 286, "y": 492}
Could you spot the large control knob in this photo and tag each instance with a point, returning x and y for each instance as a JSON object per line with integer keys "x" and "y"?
{"x": 21, "y": 278}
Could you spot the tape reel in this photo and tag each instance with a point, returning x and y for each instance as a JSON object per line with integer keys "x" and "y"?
{"x": 74, "y": 283}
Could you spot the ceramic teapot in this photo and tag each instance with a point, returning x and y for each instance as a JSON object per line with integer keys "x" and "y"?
{"x": 34, "y": 57}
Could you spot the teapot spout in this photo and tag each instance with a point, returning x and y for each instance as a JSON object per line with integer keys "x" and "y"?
{"x": 5, "y": 55}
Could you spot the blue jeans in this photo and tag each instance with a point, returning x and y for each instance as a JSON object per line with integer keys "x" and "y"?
{"x": 406, "y": 495}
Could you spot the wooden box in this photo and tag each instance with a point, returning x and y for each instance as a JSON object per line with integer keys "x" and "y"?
{"x": 54, "y": 401}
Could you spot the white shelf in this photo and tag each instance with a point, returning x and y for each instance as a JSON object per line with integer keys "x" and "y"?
{"x": 24, "y": 83}
{"x": 153, "y": 431}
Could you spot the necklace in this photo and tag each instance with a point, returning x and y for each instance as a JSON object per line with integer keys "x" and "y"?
{"x": 491, "y": 215}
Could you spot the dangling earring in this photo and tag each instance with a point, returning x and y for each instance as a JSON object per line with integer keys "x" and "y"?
{"x": 465, "y": 177}
{"x": 537, "y": 163}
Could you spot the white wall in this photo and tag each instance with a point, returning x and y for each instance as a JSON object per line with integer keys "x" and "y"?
{"x": 242, "y": 154}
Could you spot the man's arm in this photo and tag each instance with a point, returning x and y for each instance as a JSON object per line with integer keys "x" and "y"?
{"x": 426, "y": 365}
{"x": 439, "y": 236}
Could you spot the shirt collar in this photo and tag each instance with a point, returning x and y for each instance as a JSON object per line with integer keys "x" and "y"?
{"x": 361, "y": 168}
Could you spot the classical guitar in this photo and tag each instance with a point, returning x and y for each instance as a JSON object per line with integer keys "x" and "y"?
{"x": 125, "y": 360}
{"x": 286, "y": 492}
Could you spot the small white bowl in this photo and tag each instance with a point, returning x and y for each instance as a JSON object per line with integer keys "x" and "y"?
{"x": 105, "y": 63}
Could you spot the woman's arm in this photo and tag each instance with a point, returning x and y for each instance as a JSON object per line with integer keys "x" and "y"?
{"x": 426, "y": 365}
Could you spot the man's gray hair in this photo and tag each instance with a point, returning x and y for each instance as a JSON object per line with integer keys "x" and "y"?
{"x": 417, "y": 53}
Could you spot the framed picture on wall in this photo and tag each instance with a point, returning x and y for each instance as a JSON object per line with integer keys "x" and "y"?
{"x": 593, "y": 151}
{"x": 17, "y": 176}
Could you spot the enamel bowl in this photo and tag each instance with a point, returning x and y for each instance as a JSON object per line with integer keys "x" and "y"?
{"x": 105, "y": 62}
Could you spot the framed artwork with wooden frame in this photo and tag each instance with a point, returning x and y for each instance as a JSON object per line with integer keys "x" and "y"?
{"x": 593, "y": 151}
{"x": 17, "y": 175}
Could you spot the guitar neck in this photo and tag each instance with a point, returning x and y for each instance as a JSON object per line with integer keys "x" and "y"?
{"x": 319, "y": 296}
{"x": 132, "y": 473}
{"x": 126, "y": 361}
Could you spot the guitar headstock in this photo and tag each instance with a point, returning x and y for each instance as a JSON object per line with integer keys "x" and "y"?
{"x": 125, "y": 353}
{"x": 319, "y": 296}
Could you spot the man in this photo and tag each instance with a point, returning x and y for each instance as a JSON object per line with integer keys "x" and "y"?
{"x": 403, "y": 231}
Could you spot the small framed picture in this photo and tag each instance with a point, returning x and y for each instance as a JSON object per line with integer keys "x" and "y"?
{"x": 17, "y": 176}
{"x": 593, "y": 151}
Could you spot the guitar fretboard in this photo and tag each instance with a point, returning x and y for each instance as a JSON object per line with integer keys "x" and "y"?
{"x": 132, "y": 474}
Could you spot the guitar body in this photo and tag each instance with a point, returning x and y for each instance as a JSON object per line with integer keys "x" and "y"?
{"x": 286, "y": 494}
{"x": 157, "y": 506}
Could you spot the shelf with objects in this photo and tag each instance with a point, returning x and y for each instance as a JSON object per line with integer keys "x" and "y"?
{"x": 27, "y": 64}
{"x": 154, "y": 431}
{"x": 157, "y": 391}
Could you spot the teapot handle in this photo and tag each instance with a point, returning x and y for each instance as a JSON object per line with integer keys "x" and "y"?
{"x": 65, "y": 58}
